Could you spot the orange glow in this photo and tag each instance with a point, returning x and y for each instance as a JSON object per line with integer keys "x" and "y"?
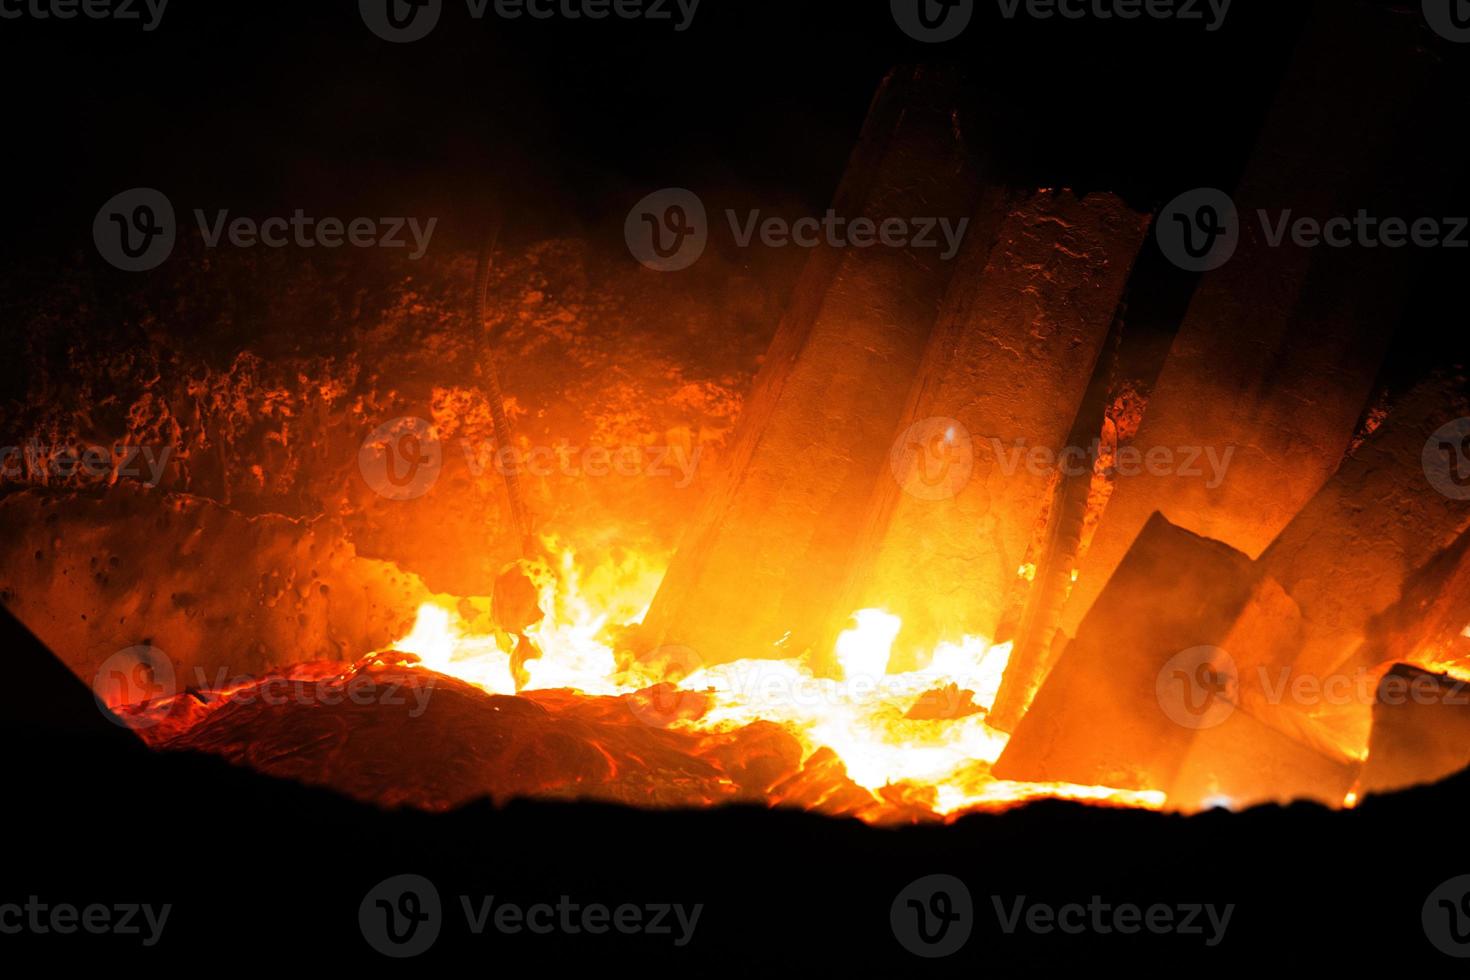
{"x": 919, "y": 736}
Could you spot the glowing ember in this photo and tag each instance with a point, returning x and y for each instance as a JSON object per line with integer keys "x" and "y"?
{"x": 864, "y": 650}
{"x": 919, "y": 736}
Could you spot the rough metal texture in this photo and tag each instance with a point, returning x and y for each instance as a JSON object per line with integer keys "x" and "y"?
{"x": 220, "y": 594}
{"x": 438, "y": 742}
{"x": 1243, "y": 762}
{"x": 1350, "y": 554}
{"x": 1099, "y": 719}
{"x": 1428, "y": 626}
{"x": 1278, "y": 352}
{"x": 1421, "y": 730}
{"x": 1358, "y": 560}
{"x": 770, "y": 549}
{"x": 1010, "y": 362}
{"x": 1338, "y": 590}
{"x": 1149, "y": 694}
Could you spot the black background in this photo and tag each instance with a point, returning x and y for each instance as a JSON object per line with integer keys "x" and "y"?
{"x": 265, "y": 107}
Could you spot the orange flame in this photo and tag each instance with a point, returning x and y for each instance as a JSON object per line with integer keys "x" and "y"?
{"x": 921, "y": 730}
